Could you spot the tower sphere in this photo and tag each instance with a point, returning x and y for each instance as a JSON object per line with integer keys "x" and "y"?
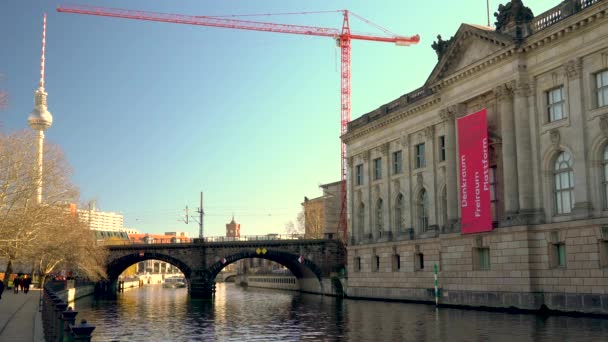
{"x": 40, "y": 118}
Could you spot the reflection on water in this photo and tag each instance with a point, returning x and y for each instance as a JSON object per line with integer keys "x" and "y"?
{"x": 155, "y": 313}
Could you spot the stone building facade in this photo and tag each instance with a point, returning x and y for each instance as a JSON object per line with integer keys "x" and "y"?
{"x": 544, "y": 82}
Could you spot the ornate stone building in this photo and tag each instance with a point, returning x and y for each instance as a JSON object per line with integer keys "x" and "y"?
{"x": 544, "y": 82}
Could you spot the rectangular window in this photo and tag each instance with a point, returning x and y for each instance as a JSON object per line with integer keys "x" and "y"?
{"x": 397, "y": 162}
{"x": 420, "y": 158}
{"x": 359, "y": 174}
{"x": 555, "y": 104}
{"x": 396, "y": 262}
{"x": 419, "y": 261}
{"x": 377, "y": 168}
{"x": 558, "y": 255}
{"x": 377, "y": 263}
{"x": 482, "y": 259}
{"x": 442, "y": 148}
{"x": 603, "y": 253}
{"x": 358, "y": 264}
{"x": 601, "y": 81}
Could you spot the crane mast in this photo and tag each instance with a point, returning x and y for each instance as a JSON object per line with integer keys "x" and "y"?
{"x": 343, "y": 37}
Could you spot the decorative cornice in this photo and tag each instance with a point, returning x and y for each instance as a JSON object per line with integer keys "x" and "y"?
{"x": 574, "y": 68}
{"x": 536, "y": 40}
{"x": 557, "y": 31}
{"x": 457, "y": 110}
{"x": 389, "y": 119}
{"x": 365, "y": 156}
{"x": 384, "y": 149}
{"x": 522, "y": 88}
{"x": 445, "y": 115}
{"x": 404, "y": 141}
{"x": 504, "y": 91}
{"x": 429, "y": 132}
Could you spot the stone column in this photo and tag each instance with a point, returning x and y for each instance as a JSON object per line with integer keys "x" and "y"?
{"x": 350, "y": 202}
{"x": 523, "y": 147}
{"x": 451, "y": 171}
{"x": 407, "y": 183}
{"x": 367, "y": 169}
{"x": 429, "y": 134}
{"x": 575, "y": 111}
{"x": 504, "y": 94}
{"x": 386, "y": 216}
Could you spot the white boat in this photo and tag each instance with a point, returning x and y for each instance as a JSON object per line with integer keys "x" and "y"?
{"x": 174, "y": 282}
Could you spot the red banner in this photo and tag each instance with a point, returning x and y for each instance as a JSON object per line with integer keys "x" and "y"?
{"x": 476, "y": 212}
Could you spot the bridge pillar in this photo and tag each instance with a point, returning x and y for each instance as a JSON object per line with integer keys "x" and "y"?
{"x": 201, "y": 287}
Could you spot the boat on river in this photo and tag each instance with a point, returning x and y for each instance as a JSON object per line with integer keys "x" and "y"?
{"x": 174, "y": 282}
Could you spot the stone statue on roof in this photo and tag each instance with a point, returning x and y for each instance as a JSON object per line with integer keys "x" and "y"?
{"x": 512, "y": 11}
{"x": 441, "y": 46}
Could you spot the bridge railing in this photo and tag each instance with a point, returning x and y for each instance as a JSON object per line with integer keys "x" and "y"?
{"x": 266, "y": 237}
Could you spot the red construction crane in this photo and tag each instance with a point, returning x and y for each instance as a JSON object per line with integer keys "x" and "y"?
{"x": 343, "y": 37}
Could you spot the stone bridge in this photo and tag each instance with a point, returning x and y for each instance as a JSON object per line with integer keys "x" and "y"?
{"x": 313, "y": 262}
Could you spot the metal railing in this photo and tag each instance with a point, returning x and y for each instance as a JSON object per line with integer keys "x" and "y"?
{"x": 560, "y": 12}
{"x": 59, "y": 320}
{"x": 267, "y": 237}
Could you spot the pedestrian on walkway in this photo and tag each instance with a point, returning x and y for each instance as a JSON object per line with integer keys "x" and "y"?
{"x": 16, "y": 283}
{"x": 25, "y": 282}
{"x": 1, "y": 288}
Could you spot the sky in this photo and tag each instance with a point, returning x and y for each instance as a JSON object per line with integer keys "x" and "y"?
{"x": 150, "y": 114}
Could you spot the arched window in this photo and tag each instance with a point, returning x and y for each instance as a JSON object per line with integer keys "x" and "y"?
{"x": 399, "y": 213}
{"x": 564, "y": 183}
{"x": 361, "y": 219}
{"x": 605, "y": 176}
{"x": 423, "y": 210}
{"x": 379, "y": 218}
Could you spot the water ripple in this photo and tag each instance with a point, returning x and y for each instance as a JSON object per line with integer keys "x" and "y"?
{"x": 154, "y": 313}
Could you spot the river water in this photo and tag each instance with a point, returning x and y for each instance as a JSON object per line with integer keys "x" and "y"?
{"x": 154, "y": 313}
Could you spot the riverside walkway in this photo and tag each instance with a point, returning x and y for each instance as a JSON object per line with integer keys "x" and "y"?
{"x": 20, "y": 319}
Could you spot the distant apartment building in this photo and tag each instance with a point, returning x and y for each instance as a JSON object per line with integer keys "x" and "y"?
{"x": 98, "y": 220}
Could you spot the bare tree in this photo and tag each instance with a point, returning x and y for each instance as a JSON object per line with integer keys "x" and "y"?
{"x": 3, "y": 95}
{"x": 291, "y": 228}
{"x": 66, "y": 243}
{"x": 311, "y": 219}
{"x": 42, "y": 233}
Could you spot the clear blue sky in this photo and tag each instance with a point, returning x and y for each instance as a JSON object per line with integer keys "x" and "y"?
{"x": 149, "y": 114}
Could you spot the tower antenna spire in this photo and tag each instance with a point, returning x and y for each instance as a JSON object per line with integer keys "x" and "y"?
{"x": 43, "y": 47}
{"x": 40, "y": 119}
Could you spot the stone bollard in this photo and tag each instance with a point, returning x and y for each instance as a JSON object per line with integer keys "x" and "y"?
{"x": 57, "y": 322}
{"x": 68, "y": 317}
{"x": 82, "y": 331}
{"x": 48, "y": 313}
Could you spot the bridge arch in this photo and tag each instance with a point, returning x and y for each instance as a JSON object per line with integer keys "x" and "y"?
{"x": 118, "y": 265}
{"x": 309, "y": 275}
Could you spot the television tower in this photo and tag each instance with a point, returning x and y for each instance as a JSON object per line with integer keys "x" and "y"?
{"x": 40, "y": 118}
